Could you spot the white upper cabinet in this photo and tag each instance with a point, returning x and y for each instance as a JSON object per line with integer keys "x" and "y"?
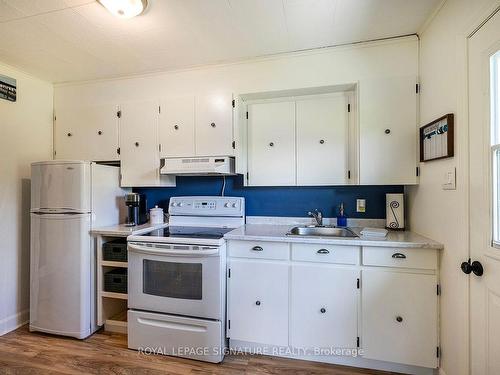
{"x": 322, "y": 140}
{"x": 388, "y": 131}
{"x": 214, "y": 125}
{"x": 139, "y": 147}
{"x": 176, "y": 127}
{"x": 271, "y": 144}
{"x": 87, "y": 133}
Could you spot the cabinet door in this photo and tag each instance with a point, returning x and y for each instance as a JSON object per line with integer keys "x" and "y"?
{"x": 271, "y": 144}
{"x": 87, "y": 133}
{"x": 214, "y": 125}
{"x": 399, "y": 317}
{"x": 140, "y": 157}
{"x": 322, "y": 140}
{"x": 317, "y": 319}
{"x": 176, "y": 127}
{"x": 388, "y": 131}
{"x": 258, "y": 302}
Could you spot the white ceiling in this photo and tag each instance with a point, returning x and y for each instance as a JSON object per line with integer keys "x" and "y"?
{"x": 71, "y": 40}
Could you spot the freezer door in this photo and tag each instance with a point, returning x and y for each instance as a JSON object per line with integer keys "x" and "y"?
{"x": 63, "y": 187}
{"x": 61, "y": 287}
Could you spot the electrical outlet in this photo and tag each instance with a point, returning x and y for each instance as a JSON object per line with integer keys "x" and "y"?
{"x": 360, "y": 205}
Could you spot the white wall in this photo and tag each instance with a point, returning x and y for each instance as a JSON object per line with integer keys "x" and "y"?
{"x": 433, "y": 212}
{"x": 25, "y": 136}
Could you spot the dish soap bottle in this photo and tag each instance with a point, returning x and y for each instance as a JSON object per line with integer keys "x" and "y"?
{"x": 341, "y": 218}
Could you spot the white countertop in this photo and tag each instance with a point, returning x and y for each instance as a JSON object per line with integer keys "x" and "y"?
{"x": 121, "y": 230}
{"x": 277, "y": 233}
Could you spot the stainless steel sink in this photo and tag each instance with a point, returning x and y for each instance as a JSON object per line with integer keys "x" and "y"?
{"x": 321, "y": 231}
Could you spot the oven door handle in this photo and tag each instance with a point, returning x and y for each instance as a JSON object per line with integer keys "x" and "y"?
{"x": 156, "y": 251}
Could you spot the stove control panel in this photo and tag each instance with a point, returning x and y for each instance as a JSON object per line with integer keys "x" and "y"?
{"x": 207, "y": 206}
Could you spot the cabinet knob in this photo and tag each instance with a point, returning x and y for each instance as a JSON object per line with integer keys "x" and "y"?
{"x": 213, "y": 125}
{"x": 176, "y": 127}
{"x": 322, "y": 141}
{"x": 257, "y": 248}
{"x": 323, "y": 310}
{"x": 271, "y": 144}
{"x": 399, "y": 319}
{"x": 69, "y": 134}
{"x": 99, "y": 132}
{"x": 136, "y": 144}
{"x": 257, "y": 303}
{"x": 323, "y": 251}
{"x": 387, "y": 131}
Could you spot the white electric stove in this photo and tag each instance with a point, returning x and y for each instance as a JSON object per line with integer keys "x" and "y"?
{"x": 177, "y": 279}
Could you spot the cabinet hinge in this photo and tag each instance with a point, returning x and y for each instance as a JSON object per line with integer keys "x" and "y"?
{"x": 118, "y": 150}
{"x": 438, "y": 289}
{"x": 417, "y": 88}
{"x": 229, "y": 273}
{"x": 159, "y": 109}
{"x": 348, "y": 175}
{"x": 357, "y": 342}
{"x": 348, "y": 107}
{"x": 233, "y": 144}
{"x": 159, "y": 147}
{"x": 417, "y": 171}
{"x": 233, "y": 103}
{"x": 55, "y": 118}
{"x": 119, "y": 114}
{"x": 247, "y": 115}
{"x": 358, "y": 283}
{"x": 229, "y": 324}
{"x": 248, "y": 176}
{"x": 438, "y": 352}
{"x": 55, "y": 153}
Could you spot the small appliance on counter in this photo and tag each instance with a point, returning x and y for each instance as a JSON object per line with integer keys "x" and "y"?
{"x": 137, "y": 213}
{"x": 395, "y": 211}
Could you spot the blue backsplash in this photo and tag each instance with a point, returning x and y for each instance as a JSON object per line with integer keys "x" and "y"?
{"x": 279, "y": 201}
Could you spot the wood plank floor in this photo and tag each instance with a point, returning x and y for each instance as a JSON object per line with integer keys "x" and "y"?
{"x": 22, "y": 352}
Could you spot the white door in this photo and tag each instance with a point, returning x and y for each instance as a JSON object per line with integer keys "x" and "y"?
{"x": 61, "y": 186}
{"x": 271, "y": 144}
{"x": 388, "y": 131}
{"x": 484, "y": 189}
{"x": 322, "y": 138}
{"x": 399, "y": 317}
{"x": 139, "y": 147}
{"x": 258, "y": 302}
{"x": 60, "y": 288}
{"x": 214, "y": 125}
{"x": 317, "y": 319}
{"x": 176, "y": 127}
{"x": 87, "y": 133}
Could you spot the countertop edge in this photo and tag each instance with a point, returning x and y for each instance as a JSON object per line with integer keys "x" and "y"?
{"x": 122, "y": 231}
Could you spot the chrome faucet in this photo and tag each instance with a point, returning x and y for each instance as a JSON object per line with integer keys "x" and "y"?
{"x": 318, "y": 216}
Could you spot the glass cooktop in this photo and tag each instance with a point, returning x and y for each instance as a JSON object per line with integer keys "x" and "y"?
{"x": 191, "y": 232}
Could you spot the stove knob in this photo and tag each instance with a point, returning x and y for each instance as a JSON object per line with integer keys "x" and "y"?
{"x": 234, "y": 205}
{"x": 180, "y": 204}
{"x": 226, "y": 204}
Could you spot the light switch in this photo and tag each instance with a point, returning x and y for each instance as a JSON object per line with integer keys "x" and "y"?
{"x": 450, "y": 180}
{"x": 360, "y": 205}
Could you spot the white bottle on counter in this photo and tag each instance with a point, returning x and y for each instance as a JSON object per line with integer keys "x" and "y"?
{"x": 156, "y": 215}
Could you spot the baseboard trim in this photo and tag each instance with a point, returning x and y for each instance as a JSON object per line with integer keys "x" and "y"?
{"x": 441, "y": 371}
{"x": 13, "y": 322}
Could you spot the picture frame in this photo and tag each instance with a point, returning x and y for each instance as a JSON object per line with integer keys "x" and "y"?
{"x": 437, "y": 139}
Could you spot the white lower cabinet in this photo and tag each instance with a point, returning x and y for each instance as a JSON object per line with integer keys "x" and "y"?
{"x": 317, "y": 319}
{"x": 258, "y": 302}
{"x": 399, "y": 317}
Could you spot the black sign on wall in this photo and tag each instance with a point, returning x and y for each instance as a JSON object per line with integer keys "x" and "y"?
{"x": 8, "y": 88}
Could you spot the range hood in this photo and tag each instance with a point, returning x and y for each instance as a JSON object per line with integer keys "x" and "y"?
{"x": 199, "y": 166}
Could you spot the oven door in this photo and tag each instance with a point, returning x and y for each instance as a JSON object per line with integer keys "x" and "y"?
{"x": 175, "y": 279}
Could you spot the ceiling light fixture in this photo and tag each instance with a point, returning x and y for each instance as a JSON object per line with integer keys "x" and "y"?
{"x": 124, "y": 8}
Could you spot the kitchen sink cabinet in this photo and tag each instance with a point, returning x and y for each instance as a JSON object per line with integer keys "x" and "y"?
{"x": 86, "y": 133}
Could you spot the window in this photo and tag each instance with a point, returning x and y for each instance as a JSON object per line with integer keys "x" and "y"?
{"x": 495, "y": 142}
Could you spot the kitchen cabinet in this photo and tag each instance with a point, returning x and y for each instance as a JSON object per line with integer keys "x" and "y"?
{"x": 139, "y": 147}
{"x": 86, "y": 133}
{"x": 271, "y": 144}
{"x": 258, "y": 301}
{"x": 214, "y": 125}
{"x": 322, "y": 140}
{"x": 399, "y": 317}
{"x": 317, "y": 319}
{"x": 176, "y": 127}
{"x": 388, "y": 131}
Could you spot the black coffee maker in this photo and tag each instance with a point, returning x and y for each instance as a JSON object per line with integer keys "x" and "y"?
{"x": 136, "y": 209}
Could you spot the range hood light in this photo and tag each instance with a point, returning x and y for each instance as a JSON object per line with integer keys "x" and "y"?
{"x": 124, "y": 8}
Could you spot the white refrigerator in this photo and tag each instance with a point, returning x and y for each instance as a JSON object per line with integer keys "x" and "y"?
{"x": 68, "y": 198}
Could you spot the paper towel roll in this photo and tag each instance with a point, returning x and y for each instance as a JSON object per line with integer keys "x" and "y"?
{"x": 395, "y": 211}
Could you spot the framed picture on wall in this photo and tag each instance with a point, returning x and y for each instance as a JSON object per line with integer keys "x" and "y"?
{"x": 437, "y": 139}
{"x": 8, "y": 88}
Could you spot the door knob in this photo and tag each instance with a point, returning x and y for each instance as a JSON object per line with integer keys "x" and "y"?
{"x": 475, "y": 267}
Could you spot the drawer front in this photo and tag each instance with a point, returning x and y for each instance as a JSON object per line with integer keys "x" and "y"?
{"x": 325, "y": 253}
{"x": 259, "y": 250}
{"x": 399, "y": 257}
